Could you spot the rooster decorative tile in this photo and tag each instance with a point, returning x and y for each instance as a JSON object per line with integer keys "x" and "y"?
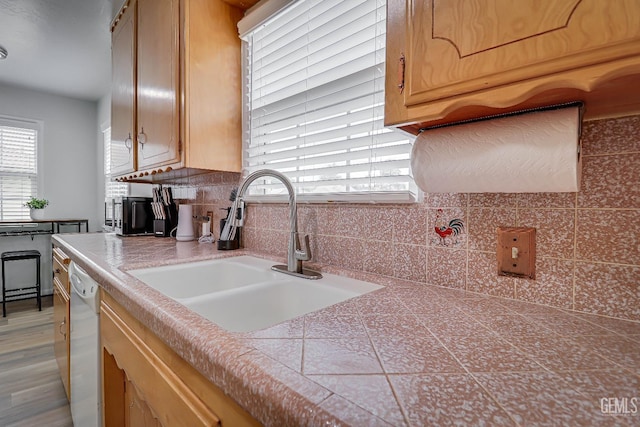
{"x": 447, "y": 232}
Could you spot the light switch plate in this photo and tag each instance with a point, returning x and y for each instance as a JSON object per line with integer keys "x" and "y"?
{"x": 517, "y": 252}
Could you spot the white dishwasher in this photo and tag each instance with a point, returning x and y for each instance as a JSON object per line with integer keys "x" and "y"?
{"x": 85, "y": 349}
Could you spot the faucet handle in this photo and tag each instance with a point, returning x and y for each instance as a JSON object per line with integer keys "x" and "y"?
{"x": 305, "y": 253}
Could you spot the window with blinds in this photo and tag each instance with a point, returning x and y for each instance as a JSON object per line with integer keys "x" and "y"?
{"x": 314, "y": 91}
{"x": 112, "y": 189}
{"x": 18, "y": 167}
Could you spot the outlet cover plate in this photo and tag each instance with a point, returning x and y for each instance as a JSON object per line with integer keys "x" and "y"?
{"x": 517, "y": 252}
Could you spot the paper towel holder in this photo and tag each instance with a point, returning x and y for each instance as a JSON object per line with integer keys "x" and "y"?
{"x": 569, "y": 104}
{"x": 502, "y": 153}
{"x": 578, "y": 104}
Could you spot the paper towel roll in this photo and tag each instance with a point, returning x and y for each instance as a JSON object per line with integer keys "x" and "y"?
{"x": 527, "y": 153}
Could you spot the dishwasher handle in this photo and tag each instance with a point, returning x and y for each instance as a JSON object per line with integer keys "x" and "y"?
{"x": 84, "y": 287}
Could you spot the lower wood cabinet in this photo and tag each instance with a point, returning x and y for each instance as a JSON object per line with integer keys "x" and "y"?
{"x": 61, "y": 332}
{"x": 145, "y": 383}
{"x": 61, "y": 316}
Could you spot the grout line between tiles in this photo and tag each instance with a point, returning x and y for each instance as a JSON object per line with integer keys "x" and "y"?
{"x": 586, "y": 261}
{"x": 379, "y": 358}
{"x": 517, "y": 209}
{"x": 469, "y": 373}
{"x": 403, "y": 411}
{"x": 607, "y": 209}
{"x": 466, "y": 268}
{"x": 304, "y": 344}
{"x": 575, "y": 253}
{"x": 612, "y": 154}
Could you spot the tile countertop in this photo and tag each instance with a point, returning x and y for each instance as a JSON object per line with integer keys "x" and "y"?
{"x": 407, "y": 354}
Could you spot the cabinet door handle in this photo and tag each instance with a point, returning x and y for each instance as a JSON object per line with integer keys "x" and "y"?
{"x": 128, "y": 142}
{"x": 142, "y": 138}
{"x": 401, "y": 66}
{"x": 64, "y": 334}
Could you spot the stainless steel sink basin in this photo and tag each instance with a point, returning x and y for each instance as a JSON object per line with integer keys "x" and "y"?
{"x": 243, "y": 294}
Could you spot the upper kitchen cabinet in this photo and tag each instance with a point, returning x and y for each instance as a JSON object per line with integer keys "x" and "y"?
{"x": 61, "y": 314}
{"x": 158, "y": 83}
{"x": 455, "y": 60}
{"x": 176, "y": 94}
{"x": 123, "y": 93}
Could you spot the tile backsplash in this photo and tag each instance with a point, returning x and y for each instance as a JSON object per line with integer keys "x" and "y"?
{"x": 588, "y": 243}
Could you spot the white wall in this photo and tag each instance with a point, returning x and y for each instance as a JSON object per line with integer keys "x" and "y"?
{"x": 69, "y": 149}
{"x": 70, "y": 141}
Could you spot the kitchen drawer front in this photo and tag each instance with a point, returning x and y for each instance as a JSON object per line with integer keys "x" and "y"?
{"x": 61, "y": 272}
{"x": 61, "y": 333}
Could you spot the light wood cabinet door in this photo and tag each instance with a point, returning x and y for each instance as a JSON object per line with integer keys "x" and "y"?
{"x": 504, "y": 52}
{"x": 187, "y": 104}
{"x": 212, "y": 86}
{"x": 123, "y": 92}
{"x": 158, "y": 82}
{"x": 153, "y": 394}
{"x": 145, "y": 383}
{"x": 61, "y": 332}
{"x": 137, "y": 411}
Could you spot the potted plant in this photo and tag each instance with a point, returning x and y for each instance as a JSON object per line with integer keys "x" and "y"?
{"x": 37, "y": 207}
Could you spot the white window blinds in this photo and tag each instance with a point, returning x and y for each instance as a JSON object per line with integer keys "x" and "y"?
{"x": 111, "y": 188}
{"x": 314, "y": 91}
{"x": 18, "y": 167}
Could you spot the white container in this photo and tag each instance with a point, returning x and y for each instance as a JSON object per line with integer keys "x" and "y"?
{"x": 185, "y": 223}
{"x": 36, "y": 214}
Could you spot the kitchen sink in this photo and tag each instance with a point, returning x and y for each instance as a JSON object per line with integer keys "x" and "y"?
{"x": 180, "y": 281}
{"x": 243, "y": 294}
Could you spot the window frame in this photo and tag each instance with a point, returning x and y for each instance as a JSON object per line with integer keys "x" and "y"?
{"x": 121, "y": 188}
{"x": 38, "y": 127}
{"x": 247, "y": 26}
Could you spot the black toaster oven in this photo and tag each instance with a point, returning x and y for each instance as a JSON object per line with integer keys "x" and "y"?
{"x": 132, "y": 216}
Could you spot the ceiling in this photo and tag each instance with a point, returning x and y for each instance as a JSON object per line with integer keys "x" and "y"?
{"x": 57, "y": 46}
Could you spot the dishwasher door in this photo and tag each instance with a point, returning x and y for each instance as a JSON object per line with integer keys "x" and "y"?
{"x": 85, "y": 349}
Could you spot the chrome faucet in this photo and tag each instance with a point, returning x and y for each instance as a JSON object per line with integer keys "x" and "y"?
{"x": 295, "y": 255}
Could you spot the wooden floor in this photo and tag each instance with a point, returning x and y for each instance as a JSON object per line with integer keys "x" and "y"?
{"x": 31, "y": 392}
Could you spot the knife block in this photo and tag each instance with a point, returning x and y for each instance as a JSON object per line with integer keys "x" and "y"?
{"x": 161, "y": 228}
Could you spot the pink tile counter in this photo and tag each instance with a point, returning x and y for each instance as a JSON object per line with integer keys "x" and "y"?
{"x": 409, "y": 354}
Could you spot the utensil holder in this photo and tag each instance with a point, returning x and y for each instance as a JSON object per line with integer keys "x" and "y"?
{"x": 229, "y": 245}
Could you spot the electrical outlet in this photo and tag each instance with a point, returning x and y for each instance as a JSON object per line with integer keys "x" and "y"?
{"x": 517, "y": 252}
